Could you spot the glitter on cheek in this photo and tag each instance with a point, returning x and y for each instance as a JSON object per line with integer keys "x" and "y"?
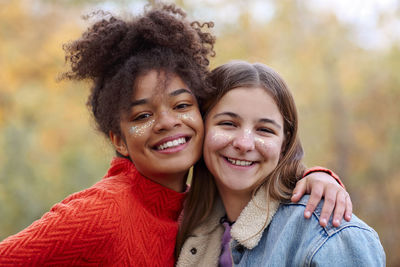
{"x": 185, "y": 116}
{"x": 261, "y": 142}
{"x": 219, "y": 138}
{"x": 137, "y": 131}
{"x": 266, "y": 147}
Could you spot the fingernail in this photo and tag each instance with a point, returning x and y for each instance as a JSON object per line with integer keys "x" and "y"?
{"x": 336, "y": 222}
{"x": 308, "y": 214}
{"x": 323, "y": 221}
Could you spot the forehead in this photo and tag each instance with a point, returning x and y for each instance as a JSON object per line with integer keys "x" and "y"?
{"x": 156, "y": 83}
{"x": 248, "y": 102}
{"x": 249, "y": 97}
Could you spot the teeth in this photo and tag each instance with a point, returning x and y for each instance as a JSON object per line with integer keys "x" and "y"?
{"x": 173, "y": 143}
{"x": 240, "y": 162}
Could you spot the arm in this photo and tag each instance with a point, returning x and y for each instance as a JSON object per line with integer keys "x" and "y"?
{"x": 325, "y": 170}
{"x": 321, "y": 182}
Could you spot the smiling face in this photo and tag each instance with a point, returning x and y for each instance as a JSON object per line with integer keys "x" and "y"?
{"x": 244, "y": 137}
{"x": 163, "y": 130}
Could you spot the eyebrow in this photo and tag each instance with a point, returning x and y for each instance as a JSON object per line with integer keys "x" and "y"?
{"x": 234, "y": 115}
{"x": 174, "y": 93}
{"x": 139, "y": 102}
{"x": 265, "y": 120}
{"x": 180, "y": 91}
{"x": 227, "y": 113}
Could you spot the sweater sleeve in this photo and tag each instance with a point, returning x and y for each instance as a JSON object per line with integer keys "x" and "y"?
{"x": 77, "y": 231}
{"x": 322, "y": 169}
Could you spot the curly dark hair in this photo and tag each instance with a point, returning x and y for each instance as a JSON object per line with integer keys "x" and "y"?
{"x": 113, "y": 52}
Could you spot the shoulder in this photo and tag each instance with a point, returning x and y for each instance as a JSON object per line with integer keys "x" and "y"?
{"x": 111, "y": 190}
{"x": 298, "y": 208}
{"x": 102, "y": 197}
{"x": 352, "y": 242}
{"x": 93, "y": 210}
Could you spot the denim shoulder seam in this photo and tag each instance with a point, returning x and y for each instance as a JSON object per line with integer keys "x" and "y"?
{"x": 318, "y": 244}
{"x": 323, "y": 239}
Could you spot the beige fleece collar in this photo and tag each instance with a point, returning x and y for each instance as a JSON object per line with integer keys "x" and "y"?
{"x": 253, "y": 219}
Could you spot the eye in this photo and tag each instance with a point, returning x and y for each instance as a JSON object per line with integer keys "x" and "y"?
{"x": 182, "y": 106}
{"x": 266, "y": 130}
{"x": 142, "y": 116}
{"x": 226, "y": 123}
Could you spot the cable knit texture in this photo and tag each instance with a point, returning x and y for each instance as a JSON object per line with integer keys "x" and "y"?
{"x": 123, "y": 220}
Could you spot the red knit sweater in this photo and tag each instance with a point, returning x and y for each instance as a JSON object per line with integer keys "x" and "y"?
{"x": 124, "y": 220}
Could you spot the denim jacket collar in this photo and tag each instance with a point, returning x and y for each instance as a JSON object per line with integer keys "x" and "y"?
{"x": 253, "y": 219}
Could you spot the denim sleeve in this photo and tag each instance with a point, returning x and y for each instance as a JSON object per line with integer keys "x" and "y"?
{"x": 350, "y": 246}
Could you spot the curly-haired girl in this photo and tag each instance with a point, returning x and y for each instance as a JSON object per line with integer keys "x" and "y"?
{"x": 147, "y": 74}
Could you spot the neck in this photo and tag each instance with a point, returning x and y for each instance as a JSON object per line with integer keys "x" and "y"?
{"x": 174, "y": 182}
{"x": 234, "y": 203}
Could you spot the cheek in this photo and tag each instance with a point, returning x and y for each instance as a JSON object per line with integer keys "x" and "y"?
{"x": 216, "y": 140}
{"x": 187, "y": 117}
{"x": 195, "y": 122}
{"x": 140, "y": 130}
{"x": 269, "y": 148}
{"x": 193, "y": 119}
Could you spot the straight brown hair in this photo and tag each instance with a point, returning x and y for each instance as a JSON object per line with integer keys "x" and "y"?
{"x": 280, "y": 183}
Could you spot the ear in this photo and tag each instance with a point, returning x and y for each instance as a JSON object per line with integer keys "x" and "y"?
{"x": 119, "y": 144}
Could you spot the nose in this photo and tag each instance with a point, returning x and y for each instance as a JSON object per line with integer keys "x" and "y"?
{"x": 244, "y": 141}
{"x": 166, "y": 120}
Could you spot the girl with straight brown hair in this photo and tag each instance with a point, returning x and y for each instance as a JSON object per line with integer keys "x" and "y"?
{"x": 240, "y": 211}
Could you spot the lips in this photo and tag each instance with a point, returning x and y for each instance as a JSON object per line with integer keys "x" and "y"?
{"x": 171, "y": 142}
{"x": 240, "y": 162}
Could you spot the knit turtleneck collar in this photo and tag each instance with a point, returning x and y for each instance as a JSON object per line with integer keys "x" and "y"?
{"x": 159, "y": 200}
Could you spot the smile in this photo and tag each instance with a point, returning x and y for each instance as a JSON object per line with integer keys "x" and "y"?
{"x": 172, "y": 143}
{"x": 240, "y": 162}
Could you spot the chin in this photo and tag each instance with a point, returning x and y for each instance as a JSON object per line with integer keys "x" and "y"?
{"x": 180, "y": 168}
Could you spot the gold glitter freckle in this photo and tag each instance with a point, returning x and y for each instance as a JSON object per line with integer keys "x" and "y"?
{"x": 260, "y": 141}
{"x": 186, "y": 117}
{"x": 140, "y": 130}
{"x": 218, "y": 136}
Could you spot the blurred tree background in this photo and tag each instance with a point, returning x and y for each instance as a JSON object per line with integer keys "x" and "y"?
{"x": 343, "y": 72}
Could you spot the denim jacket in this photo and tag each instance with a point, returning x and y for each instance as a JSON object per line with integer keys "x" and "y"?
{"x": 269, "y": 233}
{"x": 292, "y": 240}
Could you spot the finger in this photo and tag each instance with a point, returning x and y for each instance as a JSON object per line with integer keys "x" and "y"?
{"x": 340, "y": 208}
{"x": 349, "y": 208}
{"x": 329, "y": 204}
{"x": 315, "y": 198}
{"x": 299, "y": 190}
